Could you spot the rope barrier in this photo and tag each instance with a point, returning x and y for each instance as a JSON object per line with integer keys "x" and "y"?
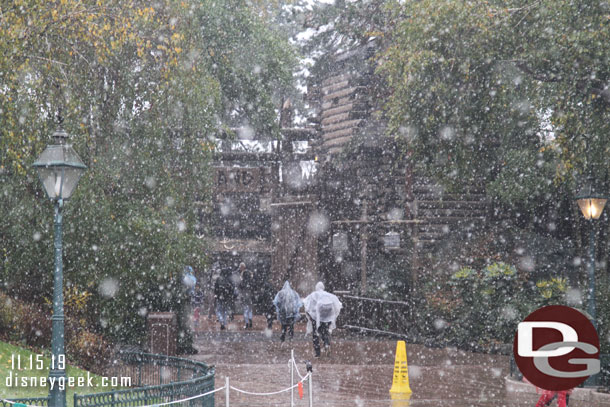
{"x": 297, "y": 369}
{"x": 150, "y": 405}
{"x": 271, "y": 393}
{"x": 186, "y": 399}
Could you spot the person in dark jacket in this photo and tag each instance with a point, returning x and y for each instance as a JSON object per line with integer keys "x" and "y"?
{"x": 266, "y": 302}
{"x": 246, "y": 286}
{"x": 223, "y": 295}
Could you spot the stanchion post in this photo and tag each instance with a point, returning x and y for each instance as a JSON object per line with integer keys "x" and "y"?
{"x": 310, "y": 372}
{"x": 292, "y": 378}
{"x": 227, "y": 389}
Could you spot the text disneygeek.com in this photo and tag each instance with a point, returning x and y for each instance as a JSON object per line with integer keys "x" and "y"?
{"x": 14, "y": 380}
{"x": 38, "y": 362}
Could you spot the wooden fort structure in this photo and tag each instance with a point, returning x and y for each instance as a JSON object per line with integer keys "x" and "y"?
{"x": 336, "y": 201}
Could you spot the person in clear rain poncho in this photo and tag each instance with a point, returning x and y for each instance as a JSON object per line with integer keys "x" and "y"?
{"x": 287, "y": 304}
{"x": 322, "y": 309}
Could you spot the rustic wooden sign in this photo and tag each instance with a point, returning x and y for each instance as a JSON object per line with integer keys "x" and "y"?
{"x": 240, "y": 179}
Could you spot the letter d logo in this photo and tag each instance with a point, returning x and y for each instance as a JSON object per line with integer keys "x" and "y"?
{"x": 556, "y": 348}
{"x": 525, "y": 332}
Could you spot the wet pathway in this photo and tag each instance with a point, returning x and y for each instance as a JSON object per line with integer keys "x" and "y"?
{"x": 358, "y": 372}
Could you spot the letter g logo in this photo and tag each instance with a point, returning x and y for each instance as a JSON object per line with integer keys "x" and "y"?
{"x": 556, "y": 348}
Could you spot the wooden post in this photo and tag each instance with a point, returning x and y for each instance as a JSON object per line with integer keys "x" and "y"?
{"x": 363, "y": 265}
{"x": 291, "y": 377}
{"x": 363, "y": 246}
{"x": 227, "y": 390}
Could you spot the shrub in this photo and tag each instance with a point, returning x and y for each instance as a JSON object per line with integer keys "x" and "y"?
{"x": 485, "y": 299}
{"x": 480, "y": 309}
{"x": 89, "y": 350}
{"x": 30, "y": 325}
{"x": 24, "y": 323}
{"x": 551, "y": 291}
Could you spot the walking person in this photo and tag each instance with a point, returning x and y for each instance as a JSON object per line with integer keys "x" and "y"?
{"x": 322, "y": 309}
{"x": 209, "y": 298}
{"x": 246, "y": 286}
{"x": 231, "y": 304}
{"x": 287, "y": 304}
{"x": 223, "y": 295}
{"x": 189, "y": 282}
{"x": 197, "y": 304}
{"x": 266, "y": 303}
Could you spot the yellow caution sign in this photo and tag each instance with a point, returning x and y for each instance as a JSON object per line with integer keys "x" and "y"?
{"x": 400, "y": 384}
{"x": 401, "y": 400}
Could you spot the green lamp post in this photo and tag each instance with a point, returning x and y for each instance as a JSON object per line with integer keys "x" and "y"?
{"x": 591, "y": 203}
{"x": 59, "y": 169}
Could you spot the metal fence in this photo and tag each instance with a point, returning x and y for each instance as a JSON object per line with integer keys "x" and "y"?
{"x": 147, "y": 369}
{"x": 374, "y": 314}
{"x": 35, "y": 401}
{"x": 159, "y": 379}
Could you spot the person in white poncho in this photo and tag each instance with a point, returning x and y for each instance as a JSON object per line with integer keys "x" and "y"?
{"x": 322, "y": 309}
{"x": 287, "y": 305}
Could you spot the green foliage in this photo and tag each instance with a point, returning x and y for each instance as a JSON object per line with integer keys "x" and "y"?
{"x": 513, "y": 96}
{"x": 480, "y": 309}
{"x": 551, "y": 291}
{"x": 389, "y": 279}
{"x": 252, "y": 65}
{"x": 144, "y": 86}
{"x": 24, "y": 323}
{"x": 459, "y": 109}
{"x": 534, "y": 172}
{"x": 341, "y": 25}
{"x": 30, "y": 325}
{"x": 501, "y": 92}
{"x": 489, "y": 303}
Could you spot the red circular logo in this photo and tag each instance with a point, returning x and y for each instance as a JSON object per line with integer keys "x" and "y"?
{"x": 556, "y": 348}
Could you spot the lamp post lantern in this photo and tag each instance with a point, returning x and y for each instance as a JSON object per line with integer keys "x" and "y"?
{"x": 591, "y": 203}
{"x": 59, "y": 169}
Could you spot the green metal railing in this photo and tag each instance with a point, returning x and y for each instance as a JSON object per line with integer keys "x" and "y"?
{"x": 375, "y": 314}
{"x": 34, "y": 401}
{"x": 149, "y": 369}
{"x": 158, "y": 379}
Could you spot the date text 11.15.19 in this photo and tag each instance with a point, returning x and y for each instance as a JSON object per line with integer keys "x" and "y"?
{"x": 37, "y": 362}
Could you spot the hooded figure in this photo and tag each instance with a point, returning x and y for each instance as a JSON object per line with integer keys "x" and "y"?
{"x": 189, "y": 280}
{"x": 287, "y": 304}
{"x": 323, "y": 308}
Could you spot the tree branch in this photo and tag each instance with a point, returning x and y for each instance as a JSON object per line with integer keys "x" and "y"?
{"x": 536, "y": 75}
